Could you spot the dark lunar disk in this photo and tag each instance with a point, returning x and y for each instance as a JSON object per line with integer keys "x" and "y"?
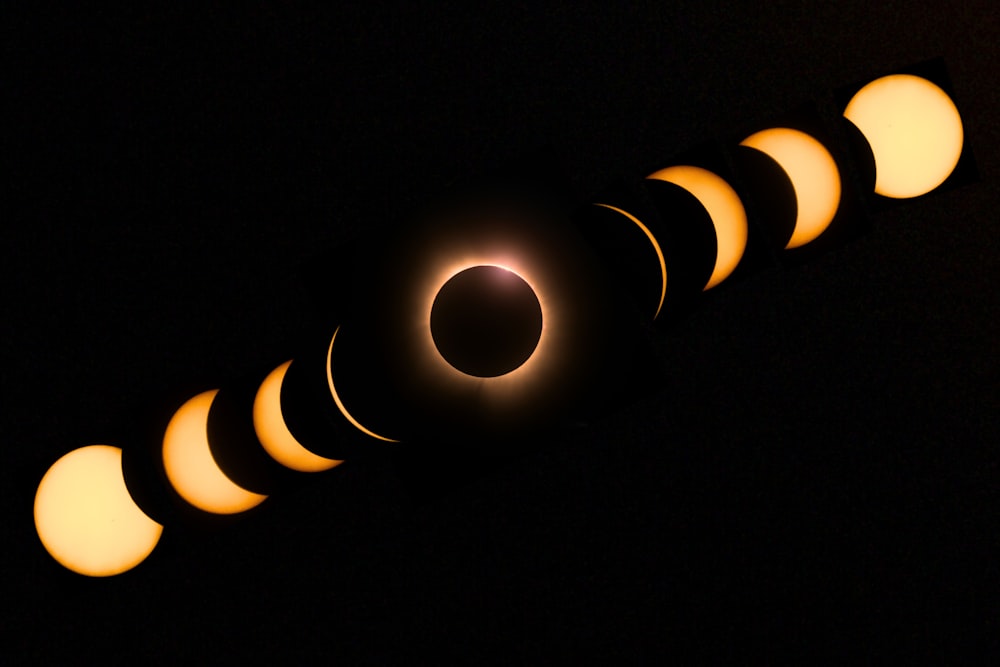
{"x": 486, "y": 321}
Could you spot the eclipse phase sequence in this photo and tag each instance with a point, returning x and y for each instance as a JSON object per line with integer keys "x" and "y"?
{"x": 495, "y": 313}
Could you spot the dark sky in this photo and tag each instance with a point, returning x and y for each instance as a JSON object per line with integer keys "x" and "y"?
{"x": 818, "y": 476}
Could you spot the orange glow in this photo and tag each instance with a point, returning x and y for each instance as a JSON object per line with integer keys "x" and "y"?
{"x": 440, "y": 367}
{"x": 543, "y": 257}
{"x": 814, "y": 177}
{"x": 86, "y": 518}
{"x": 724, "y": 208}
{"x": 914, "y": 130}
{"x": 190, "y": 467}
{"x": 479, "y": 299}
{"x": 273, "y": 433}
{"x": 336, "y": 396}
{"x": 656, "y": 247}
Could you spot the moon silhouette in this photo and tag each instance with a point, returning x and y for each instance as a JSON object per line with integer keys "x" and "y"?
{"x": 336, "y": 396}
{"x": 86, "y": 518}
{"x": 814, "y": 176}
{"x": 486, "y": 321}
{"x": 190, "y": 467}
{"x": 540, "y": 245}
{"x": 273, "y": 433}
{"x": 724, "y": 208}
{"x": 656, "y": 248}
{"x": 914, "y": 131}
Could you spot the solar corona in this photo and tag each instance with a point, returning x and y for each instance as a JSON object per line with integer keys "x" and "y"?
{"x": 486, "y": 321}
{"x": 494, "y": 324}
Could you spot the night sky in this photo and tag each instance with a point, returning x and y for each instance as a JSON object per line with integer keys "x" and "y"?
{"x": 817, "y": 476}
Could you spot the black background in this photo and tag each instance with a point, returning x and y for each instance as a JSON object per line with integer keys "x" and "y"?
{"x": 819, "y": 476}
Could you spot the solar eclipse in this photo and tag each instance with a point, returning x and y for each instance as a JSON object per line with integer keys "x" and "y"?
{"x": 486, "y": 321}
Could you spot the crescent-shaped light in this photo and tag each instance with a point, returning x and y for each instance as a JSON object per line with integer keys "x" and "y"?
{"x": 190, "y": 467}
{"x": 914, "y": 130}
{"x": 86, "y": 518}
{"x": 273, "y": 433}
{"x": 336, "y": 396}
{"x": 724, "y": 208}
{"x": 814, "y": 176}
{"x": 656, "y": 247}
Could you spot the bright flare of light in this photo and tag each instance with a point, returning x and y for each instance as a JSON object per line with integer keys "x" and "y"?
{"x": 190, "y": 467}
{"x": 444, "y": 263}
{"x": 336, "y": 396}
{"x": 543, "y": 257}
{"x": 273, "y": 433}
{"x": 724, "y": 208}
{"x": 656, "y": 247}
{"x": 86, "y": 518}
{"x": 813, "y": 174}
{"x": 914, "y": 130}
{"x": 494, "y": 310}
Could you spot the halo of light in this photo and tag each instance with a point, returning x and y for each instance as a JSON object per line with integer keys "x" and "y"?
{"x": 725, "y": 210}
{"x": 436, "y": 365}
{"x": 86, "y": 518}
{"x": 546, "y": 253}
{"x": 656, "y": 248}
{"x": 914, "y": 130}
{"x": 486, "y": 321}
{"x": 814, "y": 176}
{"x": 336, "y": 396}
{"x": 273, "y": 433}
{"x": 190, "y": 467}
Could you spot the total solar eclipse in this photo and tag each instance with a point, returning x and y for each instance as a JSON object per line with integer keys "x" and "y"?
{"x": 486, "y": 321}
{"x": 456, "y": 346}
